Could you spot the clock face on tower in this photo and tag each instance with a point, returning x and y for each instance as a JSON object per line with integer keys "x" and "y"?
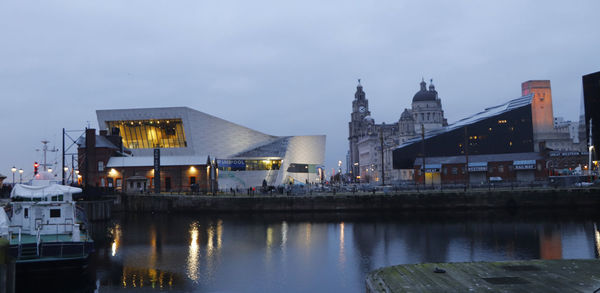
{"x": 362, "y": 109}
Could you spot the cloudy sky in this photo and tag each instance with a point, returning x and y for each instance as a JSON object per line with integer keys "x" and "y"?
{"x": 280, "y": 67}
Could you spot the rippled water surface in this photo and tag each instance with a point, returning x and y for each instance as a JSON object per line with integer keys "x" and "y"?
{"x": 315, "y": 252}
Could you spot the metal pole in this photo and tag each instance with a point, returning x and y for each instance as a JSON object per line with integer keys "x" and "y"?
{"x": 72, "y": 168}
{"x": 45, "y": 148}
{"x": 590, "y": 148}
{"x": 467, "y": 159}
{"x": 382, "y": 163}
{"x": 423, "y": 151}
{"x": 63, "y": 157}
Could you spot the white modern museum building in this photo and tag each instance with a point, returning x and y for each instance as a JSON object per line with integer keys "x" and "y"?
{"x": 188, "y": 138}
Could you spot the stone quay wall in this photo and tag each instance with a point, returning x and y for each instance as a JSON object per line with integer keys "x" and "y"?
{"x": 521, "y": 199}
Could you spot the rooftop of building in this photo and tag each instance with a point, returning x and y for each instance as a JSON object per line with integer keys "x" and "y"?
{"x": 426, "y": 95}
{"x": 487, "y": 113}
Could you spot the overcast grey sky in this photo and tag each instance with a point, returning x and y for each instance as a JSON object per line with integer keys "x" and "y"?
{"x": 280, "y": 67}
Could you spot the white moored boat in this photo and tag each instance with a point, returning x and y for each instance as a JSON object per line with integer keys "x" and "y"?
{"x": 45, "y": 228}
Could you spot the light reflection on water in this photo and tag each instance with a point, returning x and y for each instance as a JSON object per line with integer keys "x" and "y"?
{"x": 193, "y": 255}
{"x": 342, "y": 258}
{"x": 275, "y": 253}
{"x": 115, "y": 232}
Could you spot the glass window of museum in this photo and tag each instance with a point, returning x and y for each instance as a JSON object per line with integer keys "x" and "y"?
{"x": 154, "y": 133}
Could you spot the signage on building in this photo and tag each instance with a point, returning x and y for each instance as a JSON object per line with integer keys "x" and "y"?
{"x": 235, "y": 165}
{"x": 433, "y": 168}
{"x": 524, "y": 164}
{"x": 478, "y": 169}
{"x": 157, "y": 170}
{"x": 525, "y": 167}
{"x": 566, "y": 154}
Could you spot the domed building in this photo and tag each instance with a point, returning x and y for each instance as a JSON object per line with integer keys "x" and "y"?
{"x": 370, "y": 141}
{"x": 427, "y": 109}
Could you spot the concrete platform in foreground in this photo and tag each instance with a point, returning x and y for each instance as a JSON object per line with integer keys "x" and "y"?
{"x": 510, "y": 276}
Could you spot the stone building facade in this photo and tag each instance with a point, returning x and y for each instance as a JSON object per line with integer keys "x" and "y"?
{"x": 369, "y": 142}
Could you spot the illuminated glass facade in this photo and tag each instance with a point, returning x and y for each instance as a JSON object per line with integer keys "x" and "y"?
{"x": 508, "y": 132}
{"x": 146, "y": 134}
{"x": 248, "y": 165}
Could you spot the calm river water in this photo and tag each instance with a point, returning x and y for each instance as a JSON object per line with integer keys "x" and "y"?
{"x": 315, "y": 252}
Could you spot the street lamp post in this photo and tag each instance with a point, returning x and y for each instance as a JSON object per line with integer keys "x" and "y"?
{"x": 13, "y": 169}
{"x": 340, "y": 172}
{"x": 21, "y": 176}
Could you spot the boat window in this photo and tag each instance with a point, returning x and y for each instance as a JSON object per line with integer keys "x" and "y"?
{"x": 54, "y": 213}
{"x": 26, "y": 213}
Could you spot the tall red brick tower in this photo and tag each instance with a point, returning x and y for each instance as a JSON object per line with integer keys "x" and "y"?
{"x": 542, "y": 114}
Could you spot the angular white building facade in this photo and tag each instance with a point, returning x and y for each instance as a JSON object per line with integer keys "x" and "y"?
{"x": 186, "y": 136}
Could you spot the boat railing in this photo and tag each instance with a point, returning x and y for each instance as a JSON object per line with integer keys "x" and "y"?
{"x": 67, "y": 224}
{"x": 59, "y": 249}
{"x": 38, "y": 241}
{"x": 11, "y": 231}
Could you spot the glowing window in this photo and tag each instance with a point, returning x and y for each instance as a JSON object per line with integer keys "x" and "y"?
{"x": 146, "y": 134}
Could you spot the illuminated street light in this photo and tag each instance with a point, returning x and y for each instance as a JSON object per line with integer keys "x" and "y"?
{"x": 20, "y": 176}
{"x": 13, "y": 169}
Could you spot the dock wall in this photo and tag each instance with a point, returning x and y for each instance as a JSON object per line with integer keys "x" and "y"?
{"x": 97, "y": 210}
{"x": 573, "y": 198}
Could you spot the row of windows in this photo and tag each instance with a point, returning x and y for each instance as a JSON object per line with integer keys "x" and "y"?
{"x": 141, "y": 185}
{"x": 143, "y": 134}
{"x": 54, "y": 213}
{"x": 248, "y": 165}
{"x": 430, "y": 116}
{"x": 491, "y": 169}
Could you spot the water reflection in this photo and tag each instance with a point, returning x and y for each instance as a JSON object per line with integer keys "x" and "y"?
{"x": 308, "y": 253}
{"x": 133, "y": 277}
{"x": 269, "y": 244}
{"x": 193, "y": 253}
{"x": 597, "y": 240}
{"x": 115, "y": 233}
{"x": 550, "y": 243}
{"x": 342, "y": 257}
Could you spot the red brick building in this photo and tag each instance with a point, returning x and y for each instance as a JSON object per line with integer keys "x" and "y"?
{"x": 515, "y": 167}
{"x": 105, "y": 163}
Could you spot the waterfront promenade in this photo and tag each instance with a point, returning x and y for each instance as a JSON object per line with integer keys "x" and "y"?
{"x": 377, "y": 201}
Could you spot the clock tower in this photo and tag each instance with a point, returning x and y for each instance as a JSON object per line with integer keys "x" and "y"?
{"x": 360, "y": 110}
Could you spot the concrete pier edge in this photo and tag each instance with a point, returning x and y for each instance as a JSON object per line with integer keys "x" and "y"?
{"x": 409, "y": 201}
